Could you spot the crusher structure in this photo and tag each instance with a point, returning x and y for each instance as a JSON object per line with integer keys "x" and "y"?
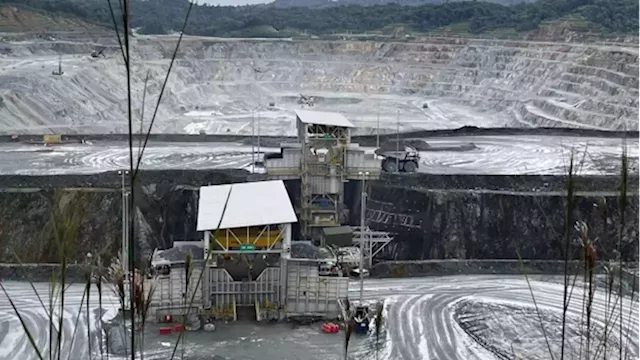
{"x": 242, "y": 269}
{"x": 323, "y": 158}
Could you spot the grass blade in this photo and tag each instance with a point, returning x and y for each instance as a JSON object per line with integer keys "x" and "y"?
{"x": 378, "y": 325}
{"x": 535, "y": 304}
{"x": 164, "y": 85}
{"x": 22, "y": 323}
{"x": 206, "y": 260}
{"x": 115, "y": 26}
{"x": 75, "y": 325}
{"x": 88, "y": 284}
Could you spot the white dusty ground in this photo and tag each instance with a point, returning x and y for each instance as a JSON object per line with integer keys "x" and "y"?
{"x": 492, "y": 155}
{"x": 420, "y": 323}
{"x": 218, "y": 85}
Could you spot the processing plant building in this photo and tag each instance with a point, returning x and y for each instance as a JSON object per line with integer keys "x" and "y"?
{"x": 243, "y": 265}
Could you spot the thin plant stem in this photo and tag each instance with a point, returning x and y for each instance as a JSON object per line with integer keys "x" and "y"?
{"x": 622, "y": 206}
{"x": 35, "y": 291}
{"x": 206, "y": 260}
{"x": 144, "y": 97}
{"x": 535, "y": 304}
{"x": 567, "y": 241}
{"x": 52, "y": 286}
{"x": 75, "y": 325}
{"x": 22, "y": 322}
{"x": 115, "y": 26}
{"x": 88, "y": 279}
{"x": 164, "y": 85}
{"x": 125, "y": 20}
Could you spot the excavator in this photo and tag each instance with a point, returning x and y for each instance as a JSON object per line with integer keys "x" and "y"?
{"x": 98, "y": 52}
{"x": 306, "y": 100}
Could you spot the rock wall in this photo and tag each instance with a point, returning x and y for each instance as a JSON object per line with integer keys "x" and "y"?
{"x": 434, "y": 216}
{"x": 495, "y": 224}
{"x": 166, "y": 211}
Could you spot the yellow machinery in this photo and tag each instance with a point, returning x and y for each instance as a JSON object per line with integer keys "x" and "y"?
{"x": 257, "y": 236}
{"x": 52, "y": 139}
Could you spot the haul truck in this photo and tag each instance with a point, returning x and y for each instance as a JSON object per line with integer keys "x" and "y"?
{"x": 406, "y": 157}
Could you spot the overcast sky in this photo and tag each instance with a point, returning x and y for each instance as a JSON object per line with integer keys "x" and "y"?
{"x": 234, "y": 2}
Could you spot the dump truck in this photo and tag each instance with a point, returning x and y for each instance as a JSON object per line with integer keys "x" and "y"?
{"x": 405, "y": 157}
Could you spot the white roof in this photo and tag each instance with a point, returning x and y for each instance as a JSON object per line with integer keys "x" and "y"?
{"x": 323, "y": 118}
{"x": 250, "y": 204}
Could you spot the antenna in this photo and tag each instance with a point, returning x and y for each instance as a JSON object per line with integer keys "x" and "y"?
{"x": 378, "y": 128}
{"x": 398, "y": 141}
{"x": 59, "y": 72}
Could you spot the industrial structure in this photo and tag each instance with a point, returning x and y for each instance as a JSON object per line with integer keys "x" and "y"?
{"x": 323, "y": 159}
{"x": 244, "y": 265}
{"x": 245, "y": 257}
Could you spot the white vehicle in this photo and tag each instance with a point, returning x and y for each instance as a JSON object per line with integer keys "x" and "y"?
{"x": 348, "y": 256}
{"x": 329, "y": 268}
{"x": 356, "y": 273}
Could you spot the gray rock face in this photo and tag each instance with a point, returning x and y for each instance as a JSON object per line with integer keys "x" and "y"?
{"x": 433, "y": 216}
{"x": 495, "y": 224}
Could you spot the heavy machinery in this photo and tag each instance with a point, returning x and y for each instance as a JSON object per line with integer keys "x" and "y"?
{"x": 400, "y": 157}
{"x": 98, "y": 52}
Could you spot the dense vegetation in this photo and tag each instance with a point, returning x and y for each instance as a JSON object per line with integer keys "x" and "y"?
{"x": 332, "y": 3}
{"x": 161, "y": 16}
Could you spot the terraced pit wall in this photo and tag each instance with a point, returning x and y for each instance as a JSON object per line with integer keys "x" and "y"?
{"x": 476, "y": 82}
{"x": 435, "y": 217}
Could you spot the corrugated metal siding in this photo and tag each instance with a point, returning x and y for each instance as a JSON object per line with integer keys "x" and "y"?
{"x": 310, "y": 294}
{"x": 355, "y": 159}
{"x": 325, "y": 185}
{"x": 169, "y": 290}
{"x": 223, "y": 289}
{"x": 290, "y": 161}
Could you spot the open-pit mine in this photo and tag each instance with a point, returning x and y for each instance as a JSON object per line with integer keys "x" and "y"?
{"x": 218, "y": 85}
{"x": 484, "y": 184}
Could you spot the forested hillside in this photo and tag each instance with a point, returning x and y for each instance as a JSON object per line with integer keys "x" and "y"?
{"x": 476, "y": 17}
{"x": 331, "y": 3}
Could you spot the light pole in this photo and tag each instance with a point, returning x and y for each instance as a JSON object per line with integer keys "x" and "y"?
{"x": 125, "y": 234}
{"x": 398, "y": 142}
{"x": 259, "y": 136}
{"x": 362, "y": 213}
{"x": 253, "y": 150}
{"x": 378, "y": 128}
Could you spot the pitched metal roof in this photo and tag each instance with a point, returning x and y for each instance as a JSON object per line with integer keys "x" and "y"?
{"x": 323, "y": 118}
{"x": 250, "y": 204}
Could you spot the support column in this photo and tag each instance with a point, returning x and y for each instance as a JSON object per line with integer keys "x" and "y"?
{"x": 286, "y": 241}
{"x": 207, "y": 245}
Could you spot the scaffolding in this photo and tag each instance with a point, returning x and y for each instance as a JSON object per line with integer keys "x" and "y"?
{"x": 374, "y": 241}
{"x": 327, "y": 161}
{"x": 322, "y": 174}
{"x": 323, "y": 159}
